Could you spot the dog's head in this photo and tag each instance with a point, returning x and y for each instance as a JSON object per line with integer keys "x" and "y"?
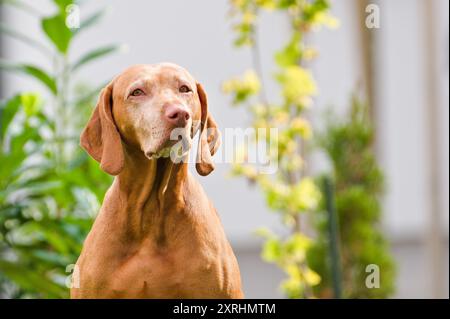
{"x": 141, "y": 108}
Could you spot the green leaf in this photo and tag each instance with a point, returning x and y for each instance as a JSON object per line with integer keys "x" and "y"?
{"x": 31, "y": 280}
{"x": 272, "y": 250}
{"x": 7, "y": 113}
{"x": 291, "y": 53}
{"x": 283, "y": 4}
{"x": 51, "y": 257}
{"x": 32, "y": 71}
{"x": 31, "y": 103}
{"x": 310, "y": 11}
{"x": 62, "y": 4}
{"x": 95, "y": 54}
{"x": 56, "y": 30}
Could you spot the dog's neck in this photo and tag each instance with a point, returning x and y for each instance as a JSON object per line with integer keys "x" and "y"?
{"x": 150, "y": 190}
{"x": 143, "y": 178}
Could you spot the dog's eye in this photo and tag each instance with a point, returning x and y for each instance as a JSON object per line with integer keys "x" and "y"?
{"x": 137, "y": 92}
{"x": 184, "y": 89}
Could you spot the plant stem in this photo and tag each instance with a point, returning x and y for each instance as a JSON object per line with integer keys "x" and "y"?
{"x": 61, "y": 98}
{"x": 257, "y": 65}
{"x": 333, "y": 229}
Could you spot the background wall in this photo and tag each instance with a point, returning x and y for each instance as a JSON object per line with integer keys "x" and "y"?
{"x": 197, "y": 35}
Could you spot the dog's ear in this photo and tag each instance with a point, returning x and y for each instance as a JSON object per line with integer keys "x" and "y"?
{"x": 210, "y": 138}
{"x": 100, "y": 138}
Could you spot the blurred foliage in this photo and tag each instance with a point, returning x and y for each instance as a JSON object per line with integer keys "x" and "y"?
{"x": 359, "y": 186}
{"x": 49, "y": 189}
{"x": 288, "y": 192}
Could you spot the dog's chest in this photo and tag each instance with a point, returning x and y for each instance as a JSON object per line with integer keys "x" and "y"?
{"x": 150, "y": 273}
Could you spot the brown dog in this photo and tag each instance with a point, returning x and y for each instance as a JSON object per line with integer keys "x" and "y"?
{"x": 157, "y": 235}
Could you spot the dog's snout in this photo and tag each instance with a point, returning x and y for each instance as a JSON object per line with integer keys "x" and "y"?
{"x": 177, "y": 115}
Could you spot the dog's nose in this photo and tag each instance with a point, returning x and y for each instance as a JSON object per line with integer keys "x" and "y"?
{"x": 177, "y": 115}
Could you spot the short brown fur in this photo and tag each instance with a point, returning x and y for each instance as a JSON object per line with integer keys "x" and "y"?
{"x": 157, "y": 235}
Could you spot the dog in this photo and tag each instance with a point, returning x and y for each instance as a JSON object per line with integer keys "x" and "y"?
{"x": 157, "y": 235}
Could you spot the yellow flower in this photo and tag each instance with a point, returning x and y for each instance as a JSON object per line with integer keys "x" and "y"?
{"x": 294, "y": 163}
{"x": 248, "y": 17}
{"x": 294, "y": 271}
{"x": 266, "y": 4}
{"x": 298, "y": 83}
{"x": 301, "y": 127}
{"x": 252, "y": 81}
{"x": 326, "y": 19}
{"x": 238, "y": 3}
{"x": 281, "y": 118}
{"x": 311, "y": 277}
{"x": 292, "y": 287}
{"x": 305, "y": 195}
{"x": 259, "y": 110}
{"x": 310, "y": 53}
{"x": 243, "y": 87}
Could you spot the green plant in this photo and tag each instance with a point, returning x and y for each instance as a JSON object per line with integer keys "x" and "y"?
{"x": 358, "y": 188}
{"x": 288, "y": 192}
{"x": 49, "y": 189}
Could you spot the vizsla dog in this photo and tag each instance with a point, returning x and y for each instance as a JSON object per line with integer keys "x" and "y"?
{"x": 157, "y": 235}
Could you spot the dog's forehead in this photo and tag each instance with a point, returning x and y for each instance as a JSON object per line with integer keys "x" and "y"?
{"x": 152, "y": 71}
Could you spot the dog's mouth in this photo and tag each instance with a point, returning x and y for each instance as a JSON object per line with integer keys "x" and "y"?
{"x": 170, "y": 148}
{"x": 165, "y": 152}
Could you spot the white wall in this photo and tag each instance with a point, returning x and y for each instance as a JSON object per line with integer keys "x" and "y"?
{"x": 405, "y": 103}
